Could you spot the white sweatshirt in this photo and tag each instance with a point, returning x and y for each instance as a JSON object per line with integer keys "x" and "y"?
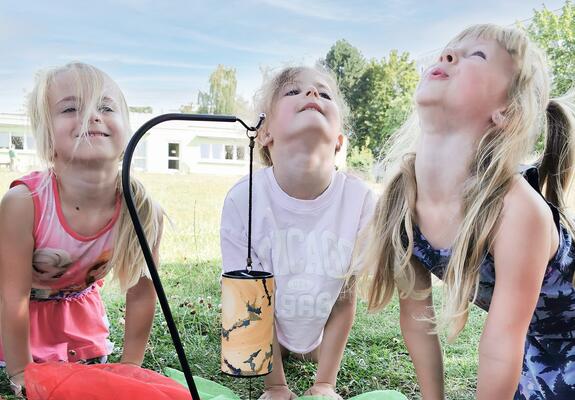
{"x": 306, "y": 244}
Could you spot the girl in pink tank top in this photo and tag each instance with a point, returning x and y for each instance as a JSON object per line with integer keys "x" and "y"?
{"x": 59, "y": 229}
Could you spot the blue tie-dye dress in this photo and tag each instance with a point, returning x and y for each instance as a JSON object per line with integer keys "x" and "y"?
{"x": 549, "y": 360}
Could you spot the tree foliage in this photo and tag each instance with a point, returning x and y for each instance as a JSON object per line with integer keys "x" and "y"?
{"x": 381, "y": 99}
{"x": 379, "y": 93}
{"x": 555, "y": 35}
{"x": 361, "y": 160}
{"x": 347, "y": 63}
{"x": 187, "y": 108}
{"x": 141, "y": 109}
{"x": 221, "y": 99}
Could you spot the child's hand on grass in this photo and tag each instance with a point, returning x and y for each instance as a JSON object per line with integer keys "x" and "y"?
{"x": 277, "y": 392}
{"x": 17, "y": 384}
{"x": 323, "y": 389}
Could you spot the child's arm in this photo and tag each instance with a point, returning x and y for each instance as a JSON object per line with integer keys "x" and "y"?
{"x": 522, "y": 249}
{"x": 16, "y": 250}
{"x": 275, "y": 383}
{"x": 335, "y": 335}
{"x": 423, "y": 347}
{"x": 140, "y": 308}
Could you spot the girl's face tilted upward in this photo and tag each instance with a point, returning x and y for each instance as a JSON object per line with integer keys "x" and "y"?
{"x": 104, "y": 135}
{"x": 306, "y": 112}
{"x": 471, "y": 80}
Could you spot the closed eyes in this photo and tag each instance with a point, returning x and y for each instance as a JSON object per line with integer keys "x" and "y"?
{"x": 295, "y": 92}
{"x": 479, "y": 54}
{"x": 101, "y": 108}
{"x": 105, "y": 108}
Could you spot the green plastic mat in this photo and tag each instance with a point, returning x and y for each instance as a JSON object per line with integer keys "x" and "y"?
{"x": 209, "y": 390}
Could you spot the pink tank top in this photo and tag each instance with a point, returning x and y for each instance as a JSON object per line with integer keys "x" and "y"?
{"x": 67, "y": 316}
{"x": 64, "y": 261}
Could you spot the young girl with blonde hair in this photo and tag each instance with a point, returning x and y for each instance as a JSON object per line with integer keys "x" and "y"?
{"x": 455, "y": 205}
{"x": 63, "y": 229}
{"x": 305, "y": 222}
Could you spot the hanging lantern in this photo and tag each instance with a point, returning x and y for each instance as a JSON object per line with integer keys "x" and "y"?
{"x": 248, "y": 308}
{"x": 247, "y": 323}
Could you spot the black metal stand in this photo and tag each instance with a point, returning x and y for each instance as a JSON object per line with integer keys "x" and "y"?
{"x": 140, "y": 231}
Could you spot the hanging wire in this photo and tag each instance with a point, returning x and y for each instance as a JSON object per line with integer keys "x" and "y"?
{"x": 252, "y": 135}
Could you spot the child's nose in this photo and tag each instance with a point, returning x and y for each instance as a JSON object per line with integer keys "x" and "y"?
{"x": 95, "y": 116}
{"x": 448, "y": 55}
{"x": 312, "y": 91}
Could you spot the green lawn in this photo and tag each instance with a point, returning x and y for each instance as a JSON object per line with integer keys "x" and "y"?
{"x": 375, "y": 358}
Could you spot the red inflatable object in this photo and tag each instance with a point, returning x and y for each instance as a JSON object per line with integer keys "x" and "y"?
{"x": 67, "y": 381}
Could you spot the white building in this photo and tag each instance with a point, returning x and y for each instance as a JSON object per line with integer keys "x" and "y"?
{"x": 170, "y": 147}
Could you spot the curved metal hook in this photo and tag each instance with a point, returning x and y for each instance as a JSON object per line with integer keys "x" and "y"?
{"x": 249, "y": 129}
{"x": 130, "y": 148}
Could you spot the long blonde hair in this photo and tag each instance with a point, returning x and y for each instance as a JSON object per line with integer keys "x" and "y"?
{"x": 268, "y": 95}
{"x": 491, "y": 171}
{"x": 127, "y": 260}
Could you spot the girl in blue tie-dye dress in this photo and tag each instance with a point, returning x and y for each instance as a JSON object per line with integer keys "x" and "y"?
{"x": 458, "y": 207}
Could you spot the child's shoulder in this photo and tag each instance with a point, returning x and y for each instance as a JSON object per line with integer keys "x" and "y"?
{"x": 524, "y": 208}
{"x": 523, "y": 198}
{"x": 18, "y": 202}
{"x": 32, "y": 180}
{"x": 526, "y": 236}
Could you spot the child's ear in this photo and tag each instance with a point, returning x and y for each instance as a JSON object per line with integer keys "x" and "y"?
{"x": 498, "y": 118}
{"x": 264, "y": 138}
{"x": 339, "y": 143}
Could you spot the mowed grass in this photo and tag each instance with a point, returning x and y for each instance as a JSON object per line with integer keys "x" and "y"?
{"x": 375, "y": 358}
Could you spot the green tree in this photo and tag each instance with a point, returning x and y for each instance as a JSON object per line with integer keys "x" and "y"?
{"x": 347, "y": 63}
{"x": 361, "y": 160}
{"x": 555, "y": 34}
{"x": 141, "y": 109}
{"x": 221, "y": 98}
{"x": 187, "y": 108}
{"x": 205, "y": 103}
{"x": 381, "y": 99}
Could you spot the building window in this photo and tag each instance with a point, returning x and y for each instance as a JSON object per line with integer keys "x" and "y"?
{"x": 205, "y": 151}
{"x": 240, "y": 153}
{"x": 229, "y": 152}
{"x": 173, "y": 156}
{"x": 217, "y": 150}
{"x": 174, "y": 150}
{"x": 18, "y": 142}
{"x": 4, "y": 140}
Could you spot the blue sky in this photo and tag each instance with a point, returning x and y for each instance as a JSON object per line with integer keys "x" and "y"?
{"x": 162, "y": 52}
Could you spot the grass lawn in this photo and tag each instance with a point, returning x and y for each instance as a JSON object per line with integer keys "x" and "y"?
{"x": 375, "y": 358}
